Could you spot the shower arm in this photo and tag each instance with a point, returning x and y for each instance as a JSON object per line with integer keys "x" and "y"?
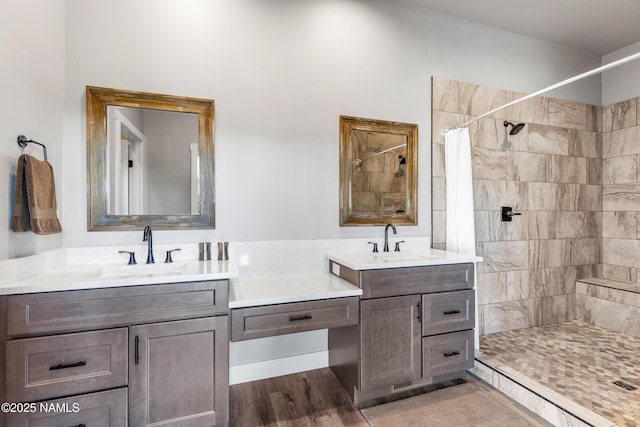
{"x": 359, "y": 162}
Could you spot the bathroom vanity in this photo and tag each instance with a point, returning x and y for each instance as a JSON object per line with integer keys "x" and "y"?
{"x": 417, "y": 318}
{"x": 130, "y": 354}
{"x": 116, "y": 345}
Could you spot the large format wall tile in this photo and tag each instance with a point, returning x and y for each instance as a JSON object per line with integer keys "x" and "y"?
{"x": 621, "y": 225}
{"x": 476, "y": 100}
{"x": 624, "y": 114}
{"x": 548, "y": 140}
{"x": 489, "y": 164}
{"x": 621, "y": 142}
{"x": 522, "y": 166}
{"x": 585, "y": 144}
{"x": 621, "y": 197}
{"x": 444, "y": 95}
{"x": 505, "y": 316}
{"x": 619, "y": 170}
{"x": 624, "y": 252}
{"x": 567, "y": 114}
{"x": 506, "y": 256}
{"x": 568, "y": 169}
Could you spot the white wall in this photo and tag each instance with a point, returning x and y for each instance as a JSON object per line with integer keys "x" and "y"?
{"x": 32, "y": 86}
{"x": 621, "y": 83}
{"x": 281, "y": 73}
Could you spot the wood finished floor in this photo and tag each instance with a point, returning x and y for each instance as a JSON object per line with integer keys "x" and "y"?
{"x": 316, "y": 398}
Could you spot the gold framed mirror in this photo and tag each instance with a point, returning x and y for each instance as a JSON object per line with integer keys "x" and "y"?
{"x": 136, "y": 176}
{"x": 378, "y": 172}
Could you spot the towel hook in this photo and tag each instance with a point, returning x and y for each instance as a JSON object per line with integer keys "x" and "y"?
{"x": 23, "y": 141}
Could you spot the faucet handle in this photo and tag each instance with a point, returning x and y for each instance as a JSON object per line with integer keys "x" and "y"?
{"x": 397, "y": 249}
{"x": 375, "y": 246}
{"x": 168, "y": 258}
{"x": 132, "y": 256}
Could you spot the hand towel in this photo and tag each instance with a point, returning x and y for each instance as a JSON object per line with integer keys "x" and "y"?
{"x": 34, "y": 203}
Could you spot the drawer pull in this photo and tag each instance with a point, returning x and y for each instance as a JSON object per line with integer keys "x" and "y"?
{"x": 453, "y": 353}
{"x": 452, "y": 312}
{"x": 79, "y": 425}
{"x": 296, "y": 318}
{"x": 68, "y": 365}
{"x": 136, "y": 355}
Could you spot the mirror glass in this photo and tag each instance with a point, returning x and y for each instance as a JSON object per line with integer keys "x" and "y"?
{"x": 150, "y": 160}
{"x": 378, "y": 174}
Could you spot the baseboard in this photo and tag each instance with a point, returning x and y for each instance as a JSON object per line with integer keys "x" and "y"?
{"x": 276, "y": 367}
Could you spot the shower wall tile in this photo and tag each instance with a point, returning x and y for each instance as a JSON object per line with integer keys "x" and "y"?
{"x": 538, "y": 222}
{"x": 476, "y": 100}
{"x": 543, "y": 196}
{"x": 621, "y": 142}
{"x": 567, "y": 114}
{"x": 598, "y": 311}
{"x": 548, "y": 140}
{"x": 567, "y": 169}
{"x": 506, "y": 256}
{"x": 505, "y": 316}
{"x": 490, "y": 228}
{"x": 594, "y": 118}
{"x": 585, "y": 251}
{"x": 593, "y": 224}
{"x": 439, "y": 226}
{"x": 491, "y": 194}
{"x": 438, "y": 194}
{"x": 585, "y": 144}
{"x": 621, "y": 197}
{"x": 486, "y": 133}
{"x": 623, "y": 252}
{"x": 437, "y": 161}
{"x": 618, "y": 272}
{"x": 624, "y": 114}
{"x": 489, "y": 164}
{"x": 444, "y": 95}
{"x": 586, "y": 271}
{"x": 492, "y": 288}
{"x": 590, "y": 197}
{"x": 568, "y": 197}
{"x": 552, "y": 281}
{"x": 441, "y": 121}
{"x": 607, "y": 118}
{"x": 522, "y": 112}
{"x": 594, "y": 171}
{"x": 620, "y": 225}
{"x": 523, "y": 166}
{"x": 618, "y": 170}
{"x": 567, "y": 224}
{"x": 540, "y": 106}
{"x": 554, "y": 309}
{"x": 548, "y": 253}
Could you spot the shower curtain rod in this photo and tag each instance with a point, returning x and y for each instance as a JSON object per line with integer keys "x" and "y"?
{"x": 556, "y": 86}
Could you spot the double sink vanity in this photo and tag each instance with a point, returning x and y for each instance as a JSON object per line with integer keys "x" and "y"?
{"x": 140, "y": 345}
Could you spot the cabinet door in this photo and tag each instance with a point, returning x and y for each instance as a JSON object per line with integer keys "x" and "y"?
{"x": 179, "y": 373}
{"x": 390, "y": 341}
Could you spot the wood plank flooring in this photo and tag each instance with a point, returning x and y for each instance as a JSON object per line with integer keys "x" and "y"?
{"x": 311, "y": 398}
{"x": 316, "y": 398}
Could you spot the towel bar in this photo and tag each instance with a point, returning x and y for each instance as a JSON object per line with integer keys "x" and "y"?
{"x": 23, "y": 141}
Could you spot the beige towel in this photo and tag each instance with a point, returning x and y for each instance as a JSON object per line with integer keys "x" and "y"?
{"x": 34, "y": 204}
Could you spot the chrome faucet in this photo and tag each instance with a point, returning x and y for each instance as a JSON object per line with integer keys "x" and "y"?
{"x": 386, "y": 236}
{"x": 148, "y": 238}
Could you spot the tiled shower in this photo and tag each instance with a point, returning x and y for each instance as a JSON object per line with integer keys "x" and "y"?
{"x": 574, "y": 174}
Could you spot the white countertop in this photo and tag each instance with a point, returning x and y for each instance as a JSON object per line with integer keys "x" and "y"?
{"x": 118, "y": 275}
{"x": 367, "y": 260}
{"x": 257, "y": 291}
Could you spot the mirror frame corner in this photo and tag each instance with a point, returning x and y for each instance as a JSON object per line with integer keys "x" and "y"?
{"x": 97, "y": 100}
{"x": 347, "y": 125}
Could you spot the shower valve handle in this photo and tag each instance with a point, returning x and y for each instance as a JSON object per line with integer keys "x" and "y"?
{"x": 507, "y": 213}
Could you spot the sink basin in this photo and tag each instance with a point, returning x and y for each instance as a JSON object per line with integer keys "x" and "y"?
{"x": 124, "y": 271}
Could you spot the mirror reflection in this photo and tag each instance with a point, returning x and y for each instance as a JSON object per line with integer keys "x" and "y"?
{"x": 377, "y": 172}
{"x": 152, "y": 162}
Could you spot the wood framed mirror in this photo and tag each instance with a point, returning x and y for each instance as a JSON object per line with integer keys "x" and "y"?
{"x": 378, "y": 172}
{"x": 150, "y": 161}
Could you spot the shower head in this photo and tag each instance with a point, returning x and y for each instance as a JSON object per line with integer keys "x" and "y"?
{"x": 403, "y": 161}
{"x": 515, "y": 128}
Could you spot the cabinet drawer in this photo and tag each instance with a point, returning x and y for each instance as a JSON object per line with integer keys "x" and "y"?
{"x": 71, "y": 311}
{"x": 265, "y": 321}
{"x": 414, "y": 280}
{"x": 448, "y": 312}
{"x": 104, "y": 409}
{"x": 448, "y": 353}
{"x": 61, "y": 365}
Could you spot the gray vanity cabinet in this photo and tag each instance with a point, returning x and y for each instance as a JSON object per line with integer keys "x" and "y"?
{"x": 390, "y": 341}
{"x": 416, "y": 328}
{"x": 179, "y": 372}
{"x": 134, "y": 355}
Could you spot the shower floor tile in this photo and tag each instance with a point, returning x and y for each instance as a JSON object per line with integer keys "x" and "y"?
{"x": 579, "y": 361}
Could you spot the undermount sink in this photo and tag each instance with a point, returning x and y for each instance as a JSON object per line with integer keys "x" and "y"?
{"x": 412, "y": 257}
{"x": 399, "y": 256}
{"x": 123, "y": 271}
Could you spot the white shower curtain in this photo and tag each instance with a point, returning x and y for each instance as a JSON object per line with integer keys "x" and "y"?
{"x": 460, "y": 228}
